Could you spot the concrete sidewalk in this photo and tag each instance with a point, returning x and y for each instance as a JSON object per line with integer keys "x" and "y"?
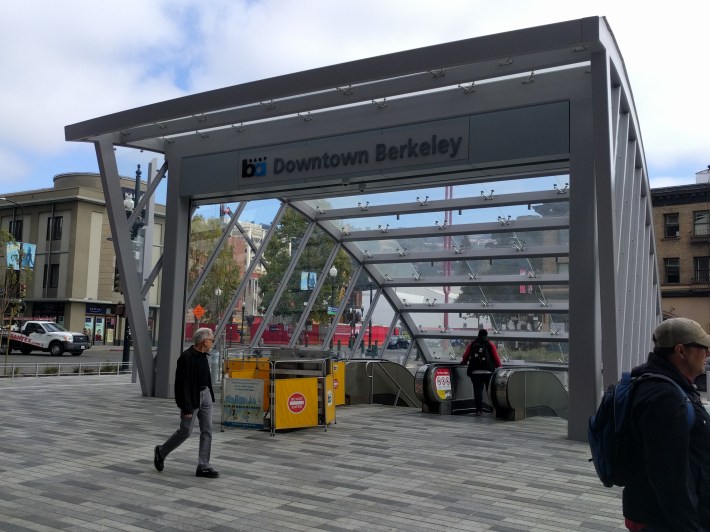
{"x": 77, "y": 454}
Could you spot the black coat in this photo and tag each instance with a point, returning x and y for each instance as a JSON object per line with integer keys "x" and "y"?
{"x": 670, "y": 483}
{"x": 188, "y": 381}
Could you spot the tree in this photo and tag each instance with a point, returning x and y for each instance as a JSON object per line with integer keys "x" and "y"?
{"x": 14, "y": 286}
{"x": 287, "y": 238}
{"x": 225, "y": 274}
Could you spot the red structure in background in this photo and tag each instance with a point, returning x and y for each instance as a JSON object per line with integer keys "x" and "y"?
{"x": 280, "y": 333}
{"x": 231, "y": 330}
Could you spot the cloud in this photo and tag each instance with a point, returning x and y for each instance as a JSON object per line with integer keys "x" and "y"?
{"x": 72, "y": 61}
{"x": 75, "y": 62}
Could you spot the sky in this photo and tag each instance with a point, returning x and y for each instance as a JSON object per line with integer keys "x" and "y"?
{"x": 65, "y": 62}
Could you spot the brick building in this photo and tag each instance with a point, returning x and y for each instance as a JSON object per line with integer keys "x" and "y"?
{"x": 681, "y": 218}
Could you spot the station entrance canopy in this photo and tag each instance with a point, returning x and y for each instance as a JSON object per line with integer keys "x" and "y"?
{"x": 505, "y": 175}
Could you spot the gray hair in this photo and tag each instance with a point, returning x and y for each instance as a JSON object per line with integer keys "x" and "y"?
{"x": 202, "y": 334}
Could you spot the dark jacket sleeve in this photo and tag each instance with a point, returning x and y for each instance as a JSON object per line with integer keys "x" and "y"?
{"x": 660, "y": 417}
{"x": 183, "y": 388}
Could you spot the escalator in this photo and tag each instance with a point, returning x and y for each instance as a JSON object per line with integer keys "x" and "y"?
{"x": 379, "y": 381}
{"x": 516, "y": 392}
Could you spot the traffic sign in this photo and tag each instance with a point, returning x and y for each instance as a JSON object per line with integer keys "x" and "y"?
{"x": 198, "y": 311}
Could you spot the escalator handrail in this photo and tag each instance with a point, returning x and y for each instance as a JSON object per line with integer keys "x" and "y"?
{"x": 371, "y": 376}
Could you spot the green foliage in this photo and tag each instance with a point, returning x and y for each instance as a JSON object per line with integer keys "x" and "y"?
{"x": 108, "y": 368}
{"x": 12, "y": 371}
{"x": 278, "y": 254}
{"x": 13, "y": 287}
{"x": 225, "y": 272}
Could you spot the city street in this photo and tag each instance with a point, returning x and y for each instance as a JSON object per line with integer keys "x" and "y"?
{"x": 94, "y": 355}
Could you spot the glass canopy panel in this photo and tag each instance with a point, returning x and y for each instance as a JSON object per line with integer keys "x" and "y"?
{"x": 222, "y": 275}
{"x": 515, "y": 241}
{"x": 519, "y": 326}
{"x": 505, "y": 215}
{"x": 379, "y": 325}
{"x": 258, "y": 211}
{"x": 472, "y": 190}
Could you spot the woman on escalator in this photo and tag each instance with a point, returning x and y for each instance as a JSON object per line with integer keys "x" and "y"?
{"x": 482, "y": 358}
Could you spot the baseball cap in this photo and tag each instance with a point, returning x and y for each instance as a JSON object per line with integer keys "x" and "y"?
{"x": 680, "y": 331}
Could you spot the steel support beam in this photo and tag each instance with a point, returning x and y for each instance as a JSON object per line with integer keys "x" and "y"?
{"x": 126, "y": 264}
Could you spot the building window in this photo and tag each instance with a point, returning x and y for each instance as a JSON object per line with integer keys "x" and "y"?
{"x": 672, "y": 270}
{"x": 16, "y": 230}
{"x": 54, "y": 228}
{"x": 671, "y": 225}
{"x": 51, "y": 280}
{"x": 702, "y": 269}
{"x": 701, "y": 223}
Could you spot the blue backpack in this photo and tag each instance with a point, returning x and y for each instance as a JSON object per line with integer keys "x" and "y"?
{"x": 607, "y": 434}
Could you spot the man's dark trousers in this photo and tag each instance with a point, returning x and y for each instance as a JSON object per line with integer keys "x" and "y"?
{"x": 204, "y": 416}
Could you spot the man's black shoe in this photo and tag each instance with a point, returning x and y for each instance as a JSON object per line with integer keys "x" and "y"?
{"x": 207, "y": 473}
{"x": 158, "y": 461}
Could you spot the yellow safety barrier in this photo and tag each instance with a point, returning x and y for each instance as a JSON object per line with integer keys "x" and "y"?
{"x": 282, "y": 394}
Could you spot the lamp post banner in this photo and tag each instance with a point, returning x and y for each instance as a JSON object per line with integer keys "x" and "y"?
{"x": 20, "y": 251}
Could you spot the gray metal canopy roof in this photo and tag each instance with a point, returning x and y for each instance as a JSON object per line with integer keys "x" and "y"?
{"x": 465, "y": 61}
{"x": 552, "y": 100}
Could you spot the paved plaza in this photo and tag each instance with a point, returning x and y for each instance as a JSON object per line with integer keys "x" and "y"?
{"x": 77, "y": 454}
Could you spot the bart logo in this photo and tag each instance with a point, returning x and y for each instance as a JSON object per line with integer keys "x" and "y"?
{"x": 254, "y": 167}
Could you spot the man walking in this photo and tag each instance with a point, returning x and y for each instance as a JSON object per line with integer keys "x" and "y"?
{"x": 669, "y": 488}
{"x": 194, "y": 398}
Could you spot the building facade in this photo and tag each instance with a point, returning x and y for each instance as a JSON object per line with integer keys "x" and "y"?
{"x": 681, "y": 216}
{"x": 74, "y": 277}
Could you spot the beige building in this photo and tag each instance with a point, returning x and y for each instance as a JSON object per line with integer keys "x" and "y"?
{"x": 243, "y": 256}
{"x": 74, "y": 277}
{"x": 681, "y": 218}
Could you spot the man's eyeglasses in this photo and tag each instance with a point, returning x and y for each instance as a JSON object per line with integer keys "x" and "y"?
{"x": 699, "y": 346}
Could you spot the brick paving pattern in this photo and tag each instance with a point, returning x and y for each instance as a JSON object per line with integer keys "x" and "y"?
{"x": 77, "y": 454}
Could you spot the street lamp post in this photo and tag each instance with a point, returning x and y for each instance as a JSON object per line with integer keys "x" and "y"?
{"x": 333, "y": 274}
{"x": 218, "y": 311}
{"x": 128, "y": 205}
{"x": 241, "y": 330}
{"x": 218, "y": 294}
{"x": 369, "y": 311}
{"x": 220, "y": 341}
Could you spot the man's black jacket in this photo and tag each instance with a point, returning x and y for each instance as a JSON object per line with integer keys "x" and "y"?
{"x": 187, "y": 381}
{"x": 670, "y": 483}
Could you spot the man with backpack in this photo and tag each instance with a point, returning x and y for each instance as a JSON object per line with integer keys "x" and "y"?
{"x": 668, "y": 485}
{"x": 482, "y": 358}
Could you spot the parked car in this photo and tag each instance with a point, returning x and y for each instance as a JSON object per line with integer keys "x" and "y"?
{"x": 397, "y": 342}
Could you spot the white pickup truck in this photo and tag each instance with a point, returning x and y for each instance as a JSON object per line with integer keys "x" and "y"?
{"x": 45, "y": 336}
